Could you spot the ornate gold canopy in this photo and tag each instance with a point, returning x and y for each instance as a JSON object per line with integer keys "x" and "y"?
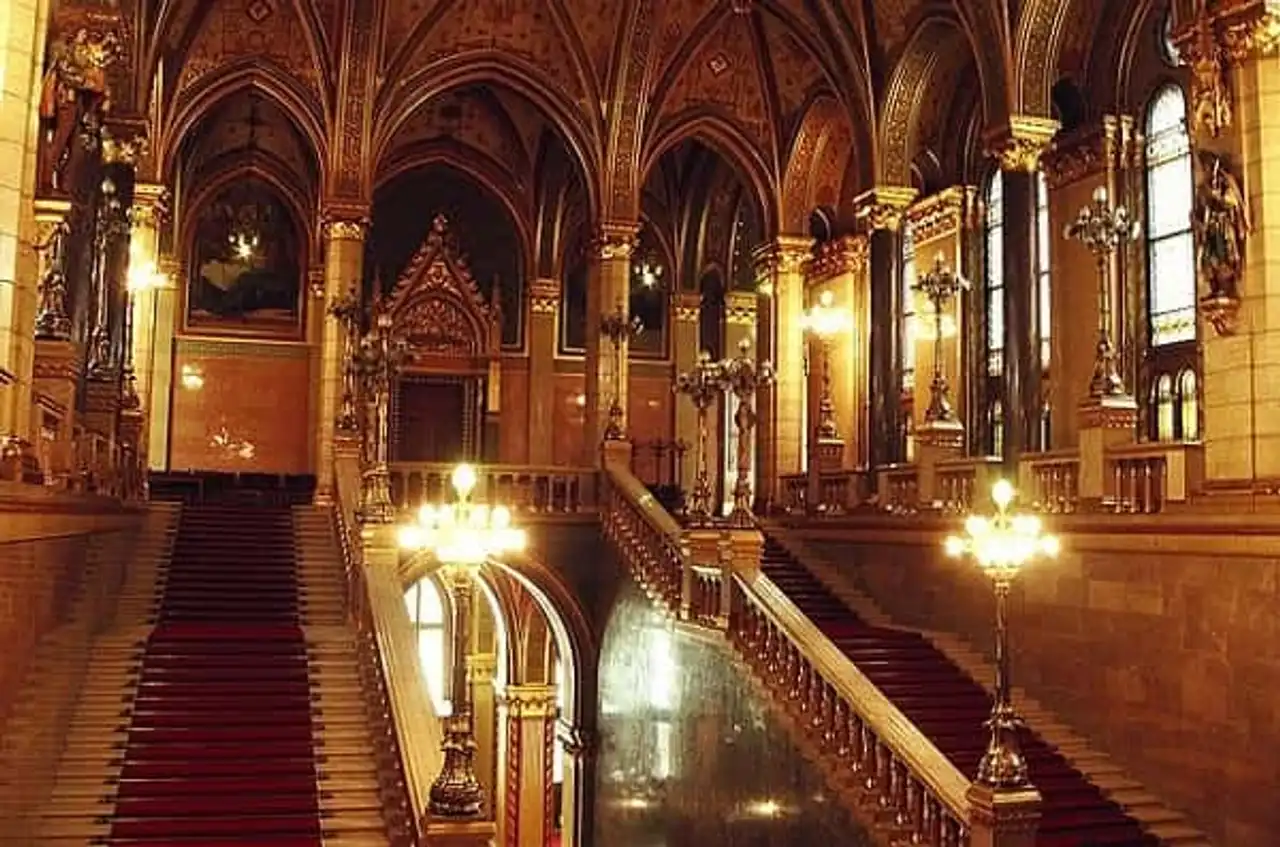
{"x": 439, "y": 310}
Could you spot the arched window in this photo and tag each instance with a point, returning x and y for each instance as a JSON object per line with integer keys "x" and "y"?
{"x": 993, "y": 297}
{"x": 427, "y": 613}
{"x": 1188, "y": 406}
{"x": 1171, "y": 275}
{"x": 1044, "y": 270}
{"x": 1164, "y": 408}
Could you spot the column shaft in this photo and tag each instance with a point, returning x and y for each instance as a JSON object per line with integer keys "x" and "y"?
{"x": 528, "y": 714}
{"x": 887, "y": 425}
{"x": 544, "y": 306}
{"x": 686, "y": 309}
{"x": 343, "y": 269}
{"x": 1021, "y": 353}
{"x": 781, "y": 406}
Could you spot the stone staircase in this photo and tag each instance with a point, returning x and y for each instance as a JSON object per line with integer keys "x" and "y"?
{"x": 1170, "y": 826}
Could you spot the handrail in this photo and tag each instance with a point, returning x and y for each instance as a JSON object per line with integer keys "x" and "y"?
{"x": 924, "y": 792}
{"x": 532, "y": 490}
{"x": 943, "y": 779}
{"x": 403, "y": 722}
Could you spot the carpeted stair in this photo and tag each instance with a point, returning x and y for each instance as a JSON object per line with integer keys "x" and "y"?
{"x": 949, "y": 708}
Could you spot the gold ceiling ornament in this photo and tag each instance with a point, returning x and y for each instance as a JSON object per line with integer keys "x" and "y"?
{"x": 883, "y": 207}
{"x": 941, "y": 214}
{"x": 616, "y": 241}
{"x": 1019, "y": 144}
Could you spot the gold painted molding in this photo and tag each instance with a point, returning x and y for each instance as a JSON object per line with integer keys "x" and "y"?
{"x": 848, "y": 254}
{"x": 1090, "y": 151}
{"x": 616, "y": 241}
{"x": 941, "y": 214}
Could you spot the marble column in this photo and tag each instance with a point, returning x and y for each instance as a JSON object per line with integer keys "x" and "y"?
{"x": 528, "y": 717}
{"x": 1018, "y": 146}
{"x": 880, "y": 212}
{"x": 482, "y": 670}
{"x": 22, "y": 45}
{"x": 344, "y": 233}
{"x": 685, "y": 313}
{"x": 544, "y": 311}
{"x": 606, "y": 372}
{"x": 162, "y": 384}
{"x": 145, "y": 279}
{"x": 780, "y": 406}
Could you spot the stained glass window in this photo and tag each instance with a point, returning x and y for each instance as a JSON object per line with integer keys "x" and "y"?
{"x": 1171, "y": 302}
{"x": 1043, "y": 270}
{"x": 908, "y": 309}
{"x": 994, "y": 287}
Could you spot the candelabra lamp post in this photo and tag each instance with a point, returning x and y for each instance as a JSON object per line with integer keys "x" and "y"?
{"x": 346, "y": 311}
{"x": 702, "y": 386}
{"x": 742, "y": 376}
{"x": 462, "y": 536}
{"x": 142, "y": 277}
{"x": 379, "y": 357}
{"x": 940, "y": 286}
{"x": 1103, "y": 229}
{"x": 1002, "y": 545}
{"x": 824, "y": 322}
{"x": 617, "y": 327}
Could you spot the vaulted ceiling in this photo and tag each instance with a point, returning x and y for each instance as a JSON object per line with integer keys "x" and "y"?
{"x": 622, "y": 81}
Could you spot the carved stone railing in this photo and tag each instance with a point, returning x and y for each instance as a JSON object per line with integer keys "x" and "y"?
{"x": 891, "y": 775}
{"x": 1050, "y": 482}
{"x": 405, "y": 727}
{"x": 831, "y": 492}
{"x": 528, "y": 490}
{"x": 1146, "y": 477}
{"x": 899, "y": 489}
{"x": 962, "y": 482}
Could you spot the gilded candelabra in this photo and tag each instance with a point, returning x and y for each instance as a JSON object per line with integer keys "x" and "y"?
{"x": 1002, "y": 545}
{"x": 378, "y": 359}
{"x": 940, "y": 285}
{"x": 824, "y": 322}
{"x": 742, "y": 376}
{"x": 461, "y": 536}
{"x": 1103, "y": 229}
{"x": 702, "y": 386}
{"x": 346, "y": 311}
{"x": 617, "y": 327}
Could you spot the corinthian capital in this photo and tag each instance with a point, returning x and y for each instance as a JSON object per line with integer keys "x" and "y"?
{"x": 1019, "y": 144}
{"x": 343, "y": 223}
{"x": 616, "y": 240}
{"x": 883, "y": 207}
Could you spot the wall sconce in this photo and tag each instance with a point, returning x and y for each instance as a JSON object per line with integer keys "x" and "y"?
{"x": 192, "y": 378}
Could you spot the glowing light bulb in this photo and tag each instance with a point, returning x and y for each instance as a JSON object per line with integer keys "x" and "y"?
{"x": 464, "y": 480}
{"x": 1002, "y": 494}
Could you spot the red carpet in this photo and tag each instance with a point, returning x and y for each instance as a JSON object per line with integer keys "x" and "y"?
{"x": 949, "y": 707}
{"x": 219, "y": 749}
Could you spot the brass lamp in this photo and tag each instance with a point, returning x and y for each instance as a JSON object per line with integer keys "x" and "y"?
{"x": 743, "y": 376}
{"x": 617, "y": 327}
{"x": 824, "y": 322}
{"x": 1002, "y": 545}
{"x": 940, "y": 286}
{"x": 142, "y": 276}
{"x": 461, "y": 536}
{"x": 702, "y": 386}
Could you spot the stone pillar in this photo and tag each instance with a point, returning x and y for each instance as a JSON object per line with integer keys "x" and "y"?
{"x": 686, "y": 309}
{"x": 162, "y": 384}
{"x": 780, "y": 406}
{"x": 841, "y": 268}
{"x": 482, "y": 668}
{"x": 880, "y": 212}
{"x": 344, "y": 234}
{"x": 938, "y": 230}
{"x": 22, "y": 45}
{"x": 527, "y": 714}
{"x": 1018, "y": 145}
{"x": 1073, "y": 168}
{"x": 610, "y": 288}
{"x": 145, "y": 279}
{"x": 544, "y": 307}
{"x": 1003, "y": 817}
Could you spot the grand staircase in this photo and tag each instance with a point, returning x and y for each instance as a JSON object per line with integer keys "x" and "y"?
{"x": 224, "y": 707}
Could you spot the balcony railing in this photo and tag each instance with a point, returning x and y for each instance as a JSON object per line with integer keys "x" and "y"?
{"x": 530, "y": 490}
{"x": 962, "y": 481}
{"x": 1051, "y": 481}
{"x": 1147, "y": 477}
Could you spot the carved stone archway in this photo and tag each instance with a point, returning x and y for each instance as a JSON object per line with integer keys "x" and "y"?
{"x": 454, "y": 338}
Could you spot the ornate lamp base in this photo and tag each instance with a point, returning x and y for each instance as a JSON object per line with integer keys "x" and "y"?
{"x": 376, "y": 506}
{"x": 456, "y": 793}
{"x": 1003, "y": 765}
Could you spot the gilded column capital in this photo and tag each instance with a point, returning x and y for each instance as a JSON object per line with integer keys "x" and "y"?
{"x": 740, "y": 308}
{"x": 1244, "y": 28}
{"x": 481, "y": 668}
{"x": 127, "y": 146}
{"x": 150, "y": 205}
{"x": 345, "y": 222}
{"x": 883, "y": 207}
{"x": 847, "y": 254}
{"x": 615, "y": 240}
{"x": 1019, "y": 143}
{"x": 786, "y": 254}
{"x": 544, "y": 296}
{"x": 530, "y": 701}
{"x": 941, "y": 214}
{"x": 686, "y": 306}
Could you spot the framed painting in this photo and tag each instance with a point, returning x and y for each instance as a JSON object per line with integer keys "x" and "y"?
{"x": 245, "y": 268}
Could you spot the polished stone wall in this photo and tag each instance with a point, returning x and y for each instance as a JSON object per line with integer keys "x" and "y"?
{"x": 690, "y": 754}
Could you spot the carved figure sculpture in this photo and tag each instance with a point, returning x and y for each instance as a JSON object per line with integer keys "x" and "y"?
{"x": 74, "y": 89}
{"x": 1221, "y": 223}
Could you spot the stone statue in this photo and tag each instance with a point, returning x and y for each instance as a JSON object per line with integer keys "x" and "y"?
{"x": 52, "y": 320}
{"x": 74, "y": 89}
{"x": 1220, "y": 219}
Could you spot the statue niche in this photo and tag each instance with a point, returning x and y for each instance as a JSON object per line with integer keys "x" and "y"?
{"x": 454, "y": 340}
{"x": 1221, "y": 223}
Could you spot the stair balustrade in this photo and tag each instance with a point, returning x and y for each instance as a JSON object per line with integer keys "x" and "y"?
{"x": 403, "y": 721}
{"x": 889, "y": 773}
{"x": 529, "y": 490}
